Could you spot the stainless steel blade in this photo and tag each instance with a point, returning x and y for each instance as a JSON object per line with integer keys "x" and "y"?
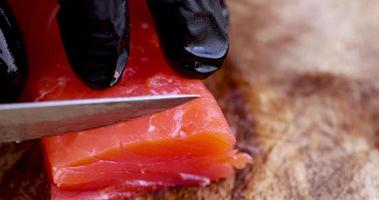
{"x": 23, "y": 121}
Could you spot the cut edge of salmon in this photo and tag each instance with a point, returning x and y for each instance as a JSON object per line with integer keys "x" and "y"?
{"x": 216, "y": 146}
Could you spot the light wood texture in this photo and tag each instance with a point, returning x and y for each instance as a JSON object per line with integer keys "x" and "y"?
{"x": 301, "y": 91}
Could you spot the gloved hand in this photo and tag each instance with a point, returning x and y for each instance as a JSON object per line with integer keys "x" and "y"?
{"x": 12, "y": 58}
{"x": 95, "y": 34}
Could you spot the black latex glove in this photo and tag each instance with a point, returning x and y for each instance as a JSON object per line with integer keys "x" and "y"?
{"x": 95, "y": 34}
{"x": 193, "y": 34}
{"x": 12, "y": 59}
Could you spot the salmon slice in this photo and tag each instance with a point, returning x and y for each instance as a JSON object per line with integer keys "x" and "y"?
{"x": 191, "y": 144}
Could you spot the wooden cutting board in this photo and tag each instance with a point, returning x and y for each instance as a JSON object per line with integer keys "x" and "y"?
{"x": 301, "y": 92}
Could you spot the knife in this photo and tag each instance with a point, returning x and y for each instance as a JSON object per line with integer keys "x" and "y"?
{"x": 24, "y": 121}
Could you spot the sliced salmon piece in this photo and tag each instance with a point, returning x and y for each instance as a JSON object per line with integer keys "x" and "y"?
{"x": 191, "y": 144}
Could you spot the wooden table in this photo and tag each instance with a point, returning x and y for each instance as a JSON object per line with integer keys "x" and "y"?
{"x": 301, "y": 91}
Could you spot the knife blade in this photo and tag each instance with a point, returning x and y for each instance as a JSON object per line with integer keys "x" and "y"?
{"x": 24, "y": 121}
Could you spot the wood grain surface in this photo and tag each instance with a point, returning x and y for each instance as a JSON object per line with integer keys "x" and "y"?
{"x": 300, "y": 90}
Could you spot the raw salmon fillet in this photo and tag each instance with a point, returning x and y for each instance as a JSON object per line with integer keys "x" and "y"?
{"x": 189, "y": 145}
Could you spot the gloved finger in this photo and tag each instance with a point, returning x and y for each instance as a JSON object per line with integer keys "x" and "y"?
{"x": 95, "y": 34}
{"x": 12, "y": 58}
{"x": 225, "y": 11}
{"x": 193, "y": 34}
